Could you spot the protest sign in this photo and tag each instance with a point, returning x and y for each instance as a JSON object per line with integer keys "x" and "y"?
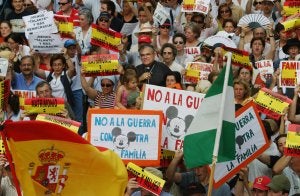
{"x": 291, "y": 24}
{"x": 41, "y": 22}
{"x": 3, "y": 67}
{"x": 239, "y": 57}
{"x": 128, "y": 28}
{"x": 44, "y": 105}
{"x": 160, "y": 14}
{"x": 201, "y": 6}
{"x": 47, "y": 44}
{"x": 100, "y": 65}
{"x": 179, "y": 108}
{"x": 288, "y": 73}
{"x": 270, "y": 103}
{"x": 196, "y": 71}
{"x": 67, "y": 123}
{"x": 194, "y": 51}
{"x": 251, "y": 140}
{"x": 263, "y": 73}
{"x": 105, "y": 38}
{"x": 4, "y": 93}
{"x": 166, "y": 157}
{"x": 135, "y": 135}
{"x": 145, "y": 179}
{"x": 65, "y": 26}
{"x": 292, "y": 146}
{"x": 22, "y": 94}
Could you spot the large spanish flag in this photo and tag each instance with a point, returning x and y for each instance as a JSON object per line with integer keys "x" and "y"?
{"x": 49, "y": 158}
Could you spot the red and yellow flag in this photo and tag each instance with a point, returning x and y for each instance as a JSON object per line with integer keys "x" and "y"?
{"x": 49, "y": 158}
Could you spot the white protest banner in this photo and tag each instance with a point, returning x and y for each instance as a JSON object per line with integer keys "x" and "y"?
{"x": 196, "y": 71}
{"x": 128, "y": 28}
{"x": 202, "y": 6}
{"x": 41, "y": 22}
{"x": 48, "y": 44}
{"x": 288, "y": 75}
{"x": 160, "y": 14}
{"x": 265, "y": 68}
{"x": 3, "y": 66}
{"x": 179, "y": 108}
{"x": 251, "y": 141}
{"x": 194, "y": 51}
{"x": 135, "y": 135}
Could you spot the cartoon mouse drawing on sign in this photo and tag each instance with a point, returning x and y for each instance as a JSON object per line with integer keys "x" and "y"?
{"x": 120, "y": 140}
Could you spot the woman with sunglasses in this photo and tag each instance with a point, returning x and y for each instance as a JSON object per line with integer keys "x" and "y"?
{"x": 163, "y": 35}
{"x": 224, "y": 12}
{"x": 254, "y": 7}
{"x": 182, "y": 58}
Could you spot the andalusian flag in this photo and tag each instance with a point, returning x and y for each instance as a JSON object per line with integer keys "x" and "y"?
{"x": 51, "y": 159}
{"x": 199, "y": 141}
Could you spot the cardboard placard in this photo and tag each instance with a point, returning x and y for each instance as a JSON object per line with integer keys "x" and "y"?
{"x": 47, "y": 44}
{"x": 179, "y": 108}
{"x": 288, "y": 75}
{"x": 100, "y": 65}
{"x": 3, "y": 67}
{"x": 64, "y": 122}
{"x": 160, "y": 14}
{"x": 135, "y": 135}
{"x": 22, "y": 94}
{"x": 239, "y": 57}
{"x": 292, "y": 146}
{"x": 65, "y": 26}
{"x": 196, "y": 71}
{"x": 105, "y": 38}
{"x": 44, "y": 105}
{"x": 201, "y": 6}
{"x": 251, "y": 141}
{"x": 128, "y": 28}
{"x": 194, "y": 51}
{"x": 146, "y": 180}
{"x": 263, "y": 72}
{"x": 270, "y": 103}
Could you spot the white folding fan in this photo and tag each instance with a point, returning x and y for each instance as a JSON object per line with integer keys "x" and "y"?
{"x": 254, "y": 21}
{"x": 217, "y": 40}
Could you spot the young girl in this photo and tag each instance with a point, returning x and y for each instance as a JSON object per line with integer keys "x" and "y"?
{"x": 130, "y": 84}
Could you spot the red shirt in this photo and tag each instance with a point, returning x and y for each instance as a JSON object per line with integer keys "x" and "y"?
{"x": 74, "y": 16}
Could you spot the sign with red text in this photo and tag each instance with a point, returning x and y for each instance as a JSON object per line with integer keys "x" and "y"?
{"x": 251, "y": 140}
{"x": 201, "y": 6}
{"x": 145, "y": 179}
{"x": 100, "y": 64}
{"x": 23, "y": 94}
{"x": 105, "y": 38}
{"x": 288, "y": 75}
{"x": 65, "y": 26}
{"x": 196, "y": 71}
{"x": 179, "y": 108}
{"x": 263, "y": 73}
{"x": 239, "y": 57}
{"x": 292, "y": 146}
{"x": 270, "y": 103}
{"x": 194, "y": 51}
{"x": 135, "y": 135}
{"x": 44, "y": 105}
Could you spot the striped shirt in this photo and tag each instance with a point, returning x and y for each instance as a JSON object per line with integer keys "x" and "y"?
{"x": 105, "y": 101}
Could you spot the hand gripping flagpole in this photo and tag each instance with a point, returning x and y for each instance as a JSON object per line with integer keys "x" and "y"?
{"x": 220, "y": 123}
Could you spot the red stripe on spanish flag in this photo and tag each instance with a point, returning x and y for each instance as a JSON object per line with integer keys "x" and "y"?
{"x": 49, "y": 158}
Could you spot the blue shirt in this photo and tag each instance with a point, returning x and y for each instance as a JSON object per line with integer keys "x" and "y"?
{"x": 19, "y": 82}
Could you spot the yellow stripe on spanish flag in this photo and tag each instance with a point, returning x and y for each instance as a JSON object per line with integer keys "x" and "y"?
{"x": 49, "y": 158}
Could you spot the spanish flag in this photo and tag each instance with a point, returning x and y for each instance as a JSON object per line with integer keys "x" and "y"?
{"x": 51, "y": 160}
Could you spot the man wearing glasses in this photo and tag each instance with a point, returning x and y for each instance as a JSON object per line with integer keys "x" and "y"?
{"x": 66, "y": 9}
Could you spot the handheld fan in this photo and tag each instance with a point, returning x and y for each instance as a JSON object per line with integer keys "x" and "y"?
{"x": 217, "y": 40}
{"x": 254, "y": 21}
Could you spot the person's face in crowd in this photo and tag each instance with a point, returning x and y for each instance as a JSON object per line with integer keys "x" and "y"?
{"x": 257, "y": 4}
{"x": 17, "y": 5}
{"x": 179, "y": 44}
{"x": 267, "y": 7}
{"x": 188, "y": 16}
{"x": 103, "y": 7}
{"x": 283, "y": 35}
{"x": 245, "y": 75}
{"x": 258, "y": 192}
{"x": 239, "y": 91}
{"x": 257, "y": 47}
{"x": 199, "y": 21}
{"x": 27, "y": 3}
{"x": 126, "y": 8}
{"x": 44, "y": 92}
{"x": 295, "y": 165}
{"x": 14, "y": 46}
{"x": 83, "y": 21}
{"x": 64, "y": 5}
{"x": 107, "y": 86}
{"x": 293, "y": 51}
{"x": 229, "y": 28}
{"x": 225, "y": 13}
{"x": 147, "y": 56}
{"x": 170, "y": 80}
{"x": 26, "y": 67}
{"x": 281, "y": 144}
{"x": 5, "y": 30}
{"x": 103, "y": 23}
{"x": 259, "y": 32}
{"x": 171, "y": 3}
{"x": 132, "y": 84}
{"x": 71, "y": 51}
{"x": 142, "y": 17}
{"x": 164, "y": 29}
{"x": 201, "y": 173}
{"x": 190, "y": 35}
{"x": 58, "y": 67}
{"x": 168, "y": 56}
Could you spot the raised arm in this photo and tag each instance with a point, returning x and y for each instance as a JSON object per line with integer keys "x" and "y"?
{"x": 282, "y": 163}
{"x": 171, "y": 173}
{"x": 91, "y": 93}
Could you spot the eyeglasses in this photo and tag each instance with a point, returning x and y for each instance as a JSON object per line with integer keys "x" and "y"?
{"x": 198, "y": 21}
{"x": 59, "y": 3}
{"x": 106, "y": 85}
{"x": 27, "y": 5}
{"x": 224, "y": 11}
{"x": 257, "y": 2}
{"x": 178, "y": 42}
{"x": 167, "y": 53}
{"x": 103, "y": 20}
{"x": 164, "y": 26}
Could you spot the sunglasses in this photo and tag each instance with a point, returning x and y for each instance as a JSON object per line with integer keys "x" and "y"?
{"x": 167, "y": 53}
{"x": 257, "y": 2}
{"x": 165, "y": 27}
{"x": 178, "y": 42}
{"x": 103, "y": 20}
{"x": 27, "y": 4}
{"x": 224, "y": 11}
{"x": 106, "y": 85}
{"x": 59, "y": 3}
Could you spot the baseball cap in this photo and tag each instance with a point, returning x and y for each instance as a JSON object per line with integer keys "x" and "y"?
{"x": 104, "y": 15}
{"x": 280, "y": 183}
{"x": 144, "y": 39}
{"x": 70, "y": 42}
{"x": 261, "y": 183}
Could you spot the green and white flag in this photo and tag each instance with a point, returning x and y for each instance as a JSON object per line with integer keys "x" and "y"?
{"x": 199, "y": 141}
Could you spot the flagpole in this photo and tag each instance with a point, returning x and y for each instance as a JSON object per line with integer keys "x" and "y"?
{"x": 220, "y": 123}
